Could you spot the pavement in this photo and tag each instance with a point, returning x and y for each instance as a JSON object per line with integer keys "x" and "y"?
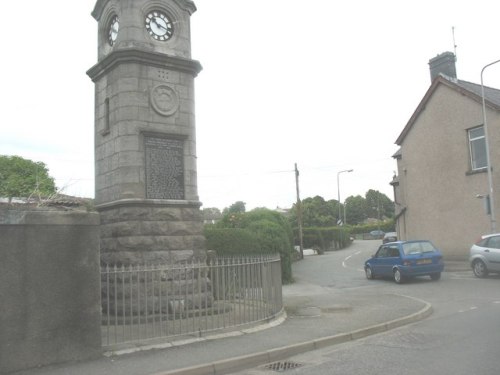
{"x": 314, "y": 317}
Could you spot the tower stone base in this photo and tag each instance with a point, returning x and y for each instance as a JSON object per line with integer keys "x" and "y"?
{"x": 137, "y": 232}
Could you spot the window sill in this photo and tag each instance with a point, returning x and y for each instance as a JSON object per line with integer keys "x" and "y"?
{"x": 476, "y": 171}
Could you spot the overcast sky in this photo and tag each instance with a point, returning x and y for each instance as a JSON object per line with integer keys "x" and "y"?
{"x": 325, "y": 84}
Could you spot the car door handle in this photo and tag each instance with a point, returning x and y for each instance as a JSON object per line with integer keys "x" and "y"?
{"x": 486, "y": 251}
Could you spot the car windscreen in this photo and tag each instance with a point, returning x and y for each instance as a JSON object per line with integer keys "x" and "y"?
{"x": 418, "y": 247}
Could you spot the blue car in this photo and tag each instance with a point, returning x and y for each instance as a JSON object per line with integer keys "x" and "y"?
{"x": 402, "y": 260}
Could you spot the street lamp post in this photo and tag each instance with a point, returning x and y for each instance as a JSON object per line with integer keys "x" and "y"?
{"x": 338, "y": 191}
{"x": 488, "y": 160}
{"x": 345, "y": 209}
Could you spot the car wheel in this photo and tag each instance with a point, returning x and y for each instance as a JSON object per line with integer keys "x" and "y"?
{"x": 369, "y": 273}
{"x": 479, "y": 269}
{"x": 436, "y": 276}
{"x": 398, "y": 278}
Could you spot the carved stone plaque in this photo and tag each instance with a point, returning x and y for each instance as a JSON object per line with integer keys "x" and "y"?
{"x": 164, "y": 168}
{"x": 164, "y": 100}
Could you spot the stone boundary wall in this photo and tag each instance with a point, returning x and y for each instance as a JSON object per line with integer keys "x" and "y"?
{"x": 49, "y": 288}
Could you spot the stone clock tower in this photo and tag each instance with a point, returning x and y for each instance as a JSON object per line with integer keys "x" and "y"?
{"x": 145, "y": 144}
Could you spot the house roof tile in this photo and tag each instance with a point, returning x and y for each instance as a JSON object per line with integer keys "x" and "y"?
{"x": 472, "y": 90}
{"x": 490, "y": 94}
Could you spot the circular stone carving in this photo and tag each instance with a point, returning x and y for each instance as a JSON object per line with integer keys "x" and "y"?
{"x": 164, "y": 100}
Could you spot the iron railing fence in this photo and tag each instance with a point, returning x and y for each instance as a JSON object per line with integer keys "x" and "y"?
{"x": 141, "y": 303}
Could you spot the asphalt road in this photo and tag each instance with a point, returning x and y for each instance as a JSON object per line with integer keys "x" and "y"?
{"x": 462, "y": 336}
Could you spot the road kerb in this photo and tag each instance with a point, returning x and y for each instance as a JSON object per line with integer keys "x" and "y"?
{"x": 332, "y": 340}
{"x": 260, "y": 358}
{"x": 290, "y": 350}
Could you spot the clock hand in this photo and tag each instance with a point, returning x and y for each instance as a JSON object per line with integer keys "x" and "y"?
{"x": 160, "y": 25}
{"x": 157, "y": 23}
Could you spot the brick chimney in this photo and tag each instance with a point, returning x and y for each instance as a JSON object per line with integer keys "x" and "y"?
{"x": 443, "y": 64}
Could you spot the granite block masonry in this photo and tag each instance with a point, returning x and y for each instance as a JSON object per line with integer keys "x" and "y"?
{"x": 145, "y": 136}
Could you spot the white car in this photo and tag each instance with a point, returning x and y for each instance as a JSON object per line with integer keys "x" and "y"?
{"x": 390, "y": 237}
{"x": 485, "y": 255}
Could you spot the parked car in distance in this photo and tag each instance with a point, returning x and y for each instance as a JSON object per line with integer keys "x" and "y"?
{"x": 403, "y": 260}
{"x": 377, "y": 234}
{"x": 390, "y": 237}
{"x": 485, "y": 255}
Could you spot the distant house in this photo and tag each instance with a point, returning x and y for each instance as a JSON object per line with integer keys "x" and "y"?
{"x": 211, "y": 215}
{"x": 441, "y": 163}
{"x": 283, "y": 211}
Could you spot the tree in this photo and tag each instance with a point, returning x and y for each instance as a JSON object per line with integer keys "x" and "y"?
{"x": 356, "y": 209}
{"x": 22, "y": 178}
{"x": 319, "y": 213}
{"x": 235, "y": 208}
{"x": 211, "y": 214}
{"x": 316, "y": 212}
{"x": 379, "y": 205}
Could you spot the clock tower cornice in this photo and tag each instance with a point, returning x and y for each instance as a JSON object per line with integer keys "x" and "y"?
{"x": 100, "y": 6}
{"x": 132, "y": 55}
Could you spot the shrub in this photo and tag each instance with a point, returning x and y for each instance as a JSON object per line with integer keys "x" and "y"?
{"x": 386, "y": 226}
{"x": 273, "y": 239}
{"x": 324, "y": 239}
{"x": 258, "y": 231}
{"x": 231, "y": 241}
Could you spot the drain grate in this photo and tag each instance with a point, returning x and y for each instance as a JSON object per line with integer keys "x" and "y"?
{"x": 282, "y": 366}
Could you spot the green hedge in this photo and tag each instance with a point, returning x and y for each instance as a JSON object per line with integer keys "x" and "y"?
{"x": 324, "y": 239}
{"x": 259, "y": 231}
{"x": 386, "y": 226}
{"x": 273, "y": 239}
{"x": 231, "y": 241}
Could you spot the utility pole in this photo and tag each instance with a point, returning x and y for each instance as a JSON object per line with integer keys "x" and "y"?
{"x": 299, "y": 213}
{"x": 378, "y": 212}
{"x": 339, "y": 222}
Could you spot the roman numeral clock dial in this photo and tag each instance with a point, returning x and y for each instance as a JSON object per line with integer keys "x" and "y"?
{"x": 159, "y": 26}
{"x": 114, "y": 25}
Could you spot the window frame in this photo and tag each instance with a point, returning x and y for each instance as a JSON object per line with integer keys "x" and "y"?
{"x": 382, "y": 252}
{"x": 473, "y": 160}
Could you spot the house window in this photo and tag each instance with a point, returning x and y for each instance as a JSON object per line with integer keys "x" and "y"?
{"x": 477, "y": 147}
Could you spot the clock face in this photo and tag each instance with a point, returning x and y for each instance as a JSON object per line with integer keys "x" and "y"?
{"x": 114, "y": 25}
{"x": 159, "y": 26}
